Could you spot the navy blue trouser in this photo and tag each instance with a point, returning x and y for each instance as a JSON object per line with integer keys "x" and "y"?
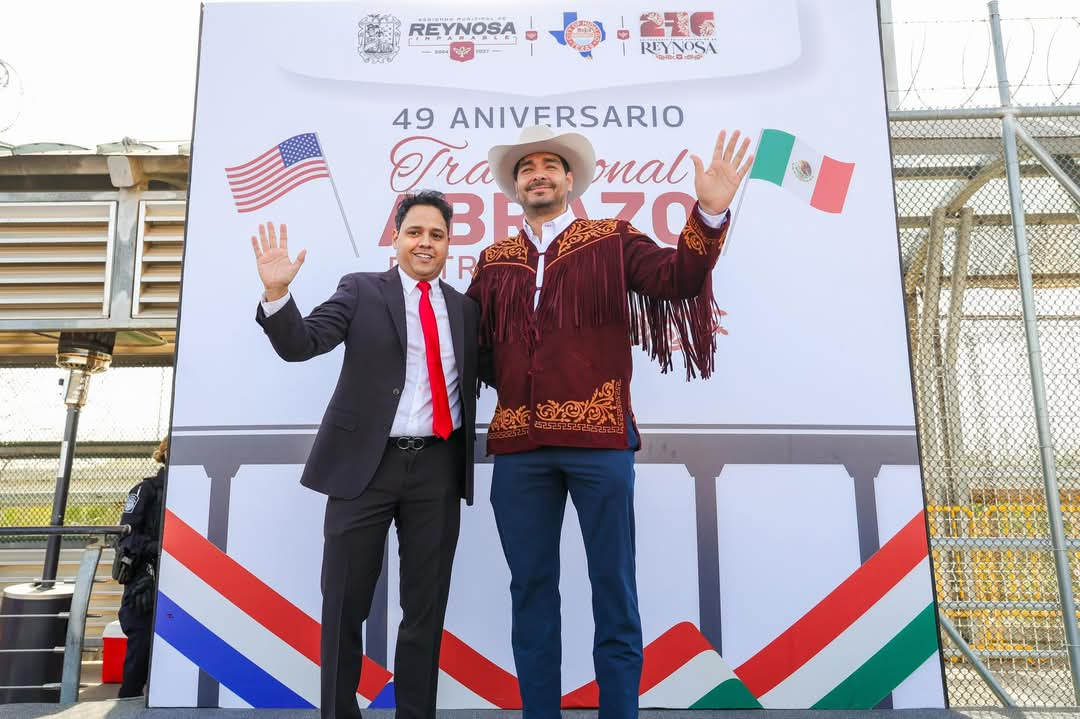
{"x": 528, "y": 495}
{"x": 136, "y": 626}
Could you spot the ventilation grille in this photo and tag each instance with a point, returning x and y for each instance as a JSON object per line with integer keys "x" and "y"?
{"x": 157, "y": 261}
{"x": 55, "y": 259}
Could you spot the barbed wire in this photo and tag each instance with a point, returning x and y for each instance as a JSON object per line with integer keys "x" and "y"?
{"x": 1029, "y": 42}
{"x": 959, "y": 21}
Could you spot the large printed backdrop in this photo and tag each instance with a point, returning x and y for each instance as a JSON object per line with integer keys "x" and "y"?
{"x": 782, "y": 554}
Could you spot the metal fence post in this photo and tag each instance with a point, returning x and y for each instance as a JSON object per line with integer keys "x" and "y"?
{"x": 76, "y": 628}
{"x": 1038, "y": 388}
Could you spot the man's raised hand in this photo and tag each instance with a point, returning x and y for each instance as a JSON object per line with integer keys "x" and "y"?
{"x": 716, "y": 184}
{"x": 276, "y": 270}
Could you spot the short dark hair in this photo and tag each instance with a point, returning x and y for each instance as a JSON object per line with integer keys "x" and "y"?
{"x": 565, "y": 164}
{"x": 434, "y": 198}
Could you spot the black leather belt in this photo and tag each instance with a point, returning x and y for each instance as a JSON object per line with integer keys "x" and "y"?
{"x": 414, "y": 444}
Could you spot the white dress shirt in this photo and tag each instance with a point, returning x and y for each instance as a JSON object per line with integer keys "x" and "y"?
{"x": 415, "y": 415}
{"x": 553, "y": 228}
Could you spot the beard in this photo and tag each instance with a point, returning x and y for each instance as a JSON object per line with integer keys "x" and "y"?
{"x": 544, "y": 202}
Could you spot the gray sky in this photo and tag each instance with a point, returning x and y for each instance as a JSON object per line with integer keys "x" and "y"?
{"x": 94, "y": 72}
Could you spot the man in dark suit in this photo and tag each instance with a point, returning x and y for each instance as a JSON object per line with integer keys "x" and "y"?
{"x": 396, "y": 442}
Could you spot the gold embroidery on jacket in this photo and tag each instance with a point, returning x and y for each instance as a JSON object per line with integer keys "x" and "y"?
{"x": 508, "y": 422}
{"x": 579, "y": 234}
{"x": 512, "y": 248}
{"x": 695, "y": 238}
{"x": 603, "y": 412}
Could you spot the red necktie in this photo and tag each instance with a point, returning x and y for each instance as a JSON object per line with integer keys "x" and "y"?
{"x": 442, "y": 424}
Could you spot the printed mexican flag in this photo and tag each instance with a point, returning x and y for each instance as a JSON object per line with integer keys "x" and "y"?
{"x": 818, "y": 179}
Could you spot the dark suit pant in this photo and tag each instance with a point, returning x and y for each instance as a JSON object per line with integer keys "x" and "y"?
{"x": 528, "y": 495}
{"x": 419, "y": 490}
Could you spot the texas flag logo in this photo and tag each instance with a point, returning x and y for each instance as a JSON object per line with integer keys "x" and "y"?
{"x": 582, "y": 36}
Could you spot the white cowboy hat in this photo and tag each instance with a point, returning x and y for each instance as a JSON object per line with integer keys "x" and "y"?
{"x": 570, "y": 146}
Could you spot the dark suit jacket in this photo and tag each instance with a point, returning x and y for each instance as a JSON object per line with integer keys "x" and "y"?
{"x": 367, "y": 313}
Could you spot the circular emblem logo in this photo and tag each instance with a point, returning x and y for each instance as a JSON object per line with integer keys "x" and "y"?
{"x": 802, "y": 170}
{"x": 583, "y": 35}
{"x": 10, "y": 96}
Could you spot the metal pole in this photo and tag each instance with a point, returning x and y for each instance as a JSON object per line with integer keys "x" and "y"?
{"x": 71, "y": 530}
{"x": 337, "y": 196}
{"x": 82, "y": 354}
{"x": 888, "y": 52}
{"x": 63, "y": 484}
{"x": 1047, "y": 160}
{"x": 961, "y": 256}
{"x": 983, "y": 671}
{"x": 1038, "y": 389}
{"x": 926, "y": 363}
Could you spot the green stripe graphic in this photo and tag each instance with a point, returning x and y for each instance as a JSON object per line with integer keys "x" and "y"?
{"x": 773, "y": 154}
{"x": 885, "y": 671}
{"x": 731, "y": 694}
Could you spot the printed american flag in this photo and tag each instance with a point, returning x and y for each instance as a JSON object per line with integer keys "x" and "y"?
{"x": 277, "y": 171}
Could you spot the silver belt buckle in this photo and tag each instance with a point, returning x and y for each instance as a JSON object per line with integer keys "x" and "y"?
{"x": 413, "y": 443}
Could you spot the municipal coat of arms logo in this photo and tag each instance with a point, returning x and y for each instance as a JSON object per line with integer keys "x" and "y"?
{"x": 379, "y": 38}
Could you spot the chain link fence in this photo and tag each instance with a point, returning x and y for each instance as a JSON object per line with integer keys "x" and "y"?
{"x": 980, "y": 451}
{"x": 126, "y": 416}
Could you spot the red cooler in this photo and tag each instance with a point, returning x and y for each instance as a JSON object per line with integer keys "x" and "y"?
{"x": 112, "y": 654}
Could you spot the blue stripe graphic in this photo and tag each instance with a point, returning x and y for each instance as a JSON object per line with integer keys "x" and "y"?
{"x": 385, "y": 700}
{"x": 236, "y": 672}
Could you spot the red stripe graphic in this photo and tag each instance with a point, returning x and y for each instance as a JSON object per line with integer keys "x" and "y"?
{"x": 670, "y": 651}
{"x": 661, "y": 658}
{"x": 587, "y": 696}
{"x": 255, "y": 598}
{"x": 836, "y": 612}
{"x": 479, "y": 674}
{"x": 832, "y": 185}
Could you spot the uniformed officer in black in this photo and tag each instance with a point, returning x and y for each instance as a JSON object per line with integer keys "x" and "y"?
{"x": 136, "y": 568}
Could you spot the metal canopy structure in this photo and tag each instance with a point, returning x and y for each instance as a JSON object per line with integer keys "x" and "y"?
{"x": 91, "y": 241}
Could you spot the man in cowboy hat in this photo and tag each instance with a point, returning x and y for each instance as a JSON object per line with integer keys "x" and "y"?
{"x": 561, "y": 304}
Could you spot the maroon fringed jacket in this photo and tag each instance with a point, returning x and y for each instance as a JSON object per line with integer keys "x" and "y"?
{"x": 563, "y": 370}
